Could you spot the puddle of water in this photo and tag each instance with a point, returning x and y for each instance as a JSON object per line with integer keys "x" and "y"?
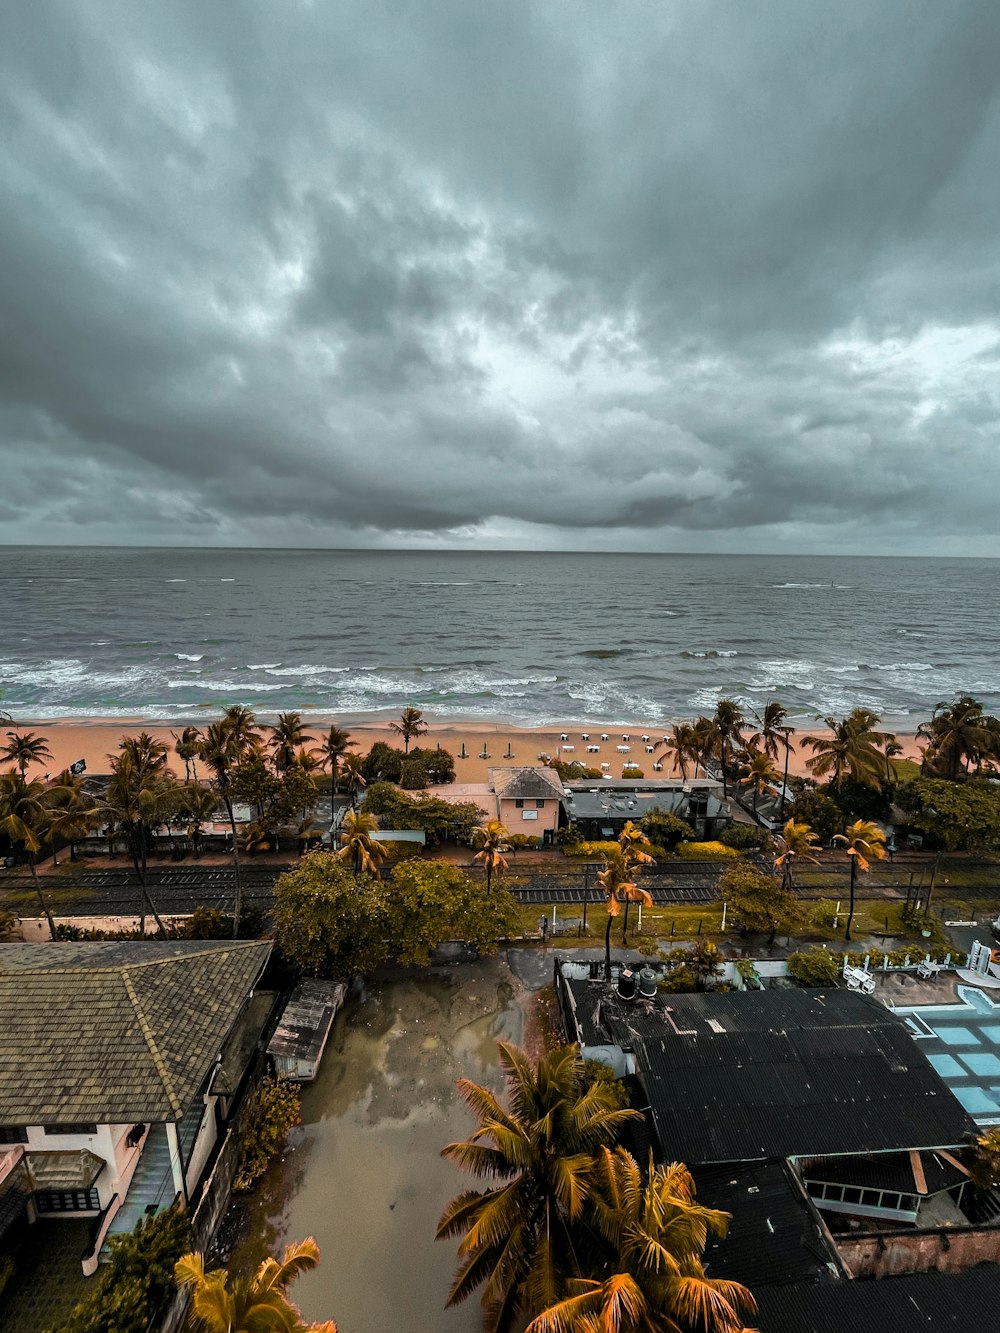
{"x": 364, "y": 1174}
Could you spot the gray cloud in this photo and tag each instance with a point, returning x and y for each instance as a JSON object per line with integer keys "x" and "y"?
{"x": 681, "y": 275}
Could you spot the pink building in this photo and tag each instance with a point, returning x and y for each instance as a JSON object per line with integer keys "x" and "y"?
{"x": 525, "y": 800}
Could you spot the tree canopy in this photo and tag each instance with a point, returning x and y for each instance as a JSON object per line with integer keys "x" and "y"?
{"x": 960, "y": 817}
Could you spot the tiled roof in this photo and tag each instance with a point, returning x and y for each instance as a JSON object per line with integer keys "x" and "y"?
{"x": 786, "y": 1073}
{"x": 118, "y": 1032}
{"x": 531, "y": 784}
{"x": 920, "y": 1303}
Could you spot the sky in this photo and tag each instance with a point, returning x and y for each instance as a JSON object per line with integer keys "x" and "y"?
{"x": 673, "y": 275}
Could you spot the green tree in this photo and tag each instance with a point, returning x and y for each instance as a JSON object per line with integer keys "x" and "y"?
{"x": 271, "y": 1110}
{"x": 259, "y": 1304}
{"x": 521, "y": 1235}
{"x": 960, "y": 817}
{"x": 727, "y": 734}
{"x": 798, "y": 843}
{"x": 653, "y": 1234}
{"x": 958, "y": 735}
{"x": 135, "y": 1287}
{"x": 429, "y": 902}
{"x": 353, "y": 770}
{"x": 25, "y": 748}
{"x": 758, "y": 901}
{"x": 410, "y": 725}
{"x": 861, "y": 840}
{"x": 851, "y": 750}
{"x": 985, "y": 1165}
{"x": 680, "y": 746}
{"x": 615, "y": 880}
{"x": 221, "y": 750}
{"x": 757, "y": 771}
{"x": 359, "y": 844}
{"x": 491, "y": 841}
{"x": 814, "y": 967}
{"x": 665, "y": 830}
{"x": 438, "y": 819}
{"x": 71, "y": 812}
{"x": 823, "y": 816}
{"x": 329, "y": 922}
{"x": 186, "y": 748}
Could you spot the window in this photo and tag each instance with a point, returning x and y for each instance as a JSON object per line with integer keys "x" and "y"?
{"x": 70, "y": 1129}
{"x": 13, "y": 1134}
{"x": 519, "y": 804}
{"x": 539, "y": 805}
{"x": 67, "y": 1201}
{"x": 852, "y": 1195}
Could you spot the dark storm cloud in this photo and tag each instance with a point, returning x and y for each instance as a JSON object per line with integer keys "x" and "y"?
{"x": 528, "y": 273}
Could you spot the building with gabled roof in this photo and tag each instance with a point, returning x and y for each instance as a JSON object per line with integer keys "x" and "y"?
{"x": 121, "y": 1062}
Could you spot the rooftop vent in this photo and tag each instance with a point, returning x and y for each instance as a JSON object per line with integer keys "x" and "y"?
{"x": 626, "y": 984}
{"x": 647, "y": 983}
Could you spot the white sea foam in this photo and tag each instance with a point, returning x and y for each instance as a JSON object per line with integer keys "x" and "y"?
{"x": 190, "y": 657}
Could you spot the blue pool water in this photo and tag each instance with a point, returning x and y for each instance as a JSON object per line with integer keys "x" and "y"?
{"x": 962, "y": 1043}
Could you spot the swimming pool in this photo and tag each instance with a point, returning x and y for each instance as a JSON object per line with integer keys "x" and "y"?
{"x": 962, "y": 1043}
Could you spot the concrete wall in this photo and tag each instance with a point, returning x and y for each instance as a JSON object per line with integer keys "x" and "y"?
{"x": 537, "y": 821}
{"x": 944, "y": 1250}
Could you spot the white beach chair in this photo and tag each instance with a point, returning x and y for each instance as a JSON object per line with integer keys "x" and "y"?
{"x": 624, "y": 749}
{"x": 605, "y": 768}
{"x": 646, "y": 739}
{"x": 650, "y": 749}
{"x": 564, "y": 736}
{"x": 605, "y": 736}
{"x": 657, "y": 768}
{"x": 585, "y": 735}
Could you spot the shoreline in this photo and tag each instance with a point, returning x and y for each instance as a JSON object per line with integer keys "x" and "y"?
{"x": 505, "y": 744}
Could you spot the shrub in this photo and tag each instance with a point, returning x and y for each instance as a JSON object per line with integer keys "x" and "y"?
{"x": 681, "y": 980}
{"x": 632, "y": 772}
{"x": 823, "y": 816}
{"x": 825, "y": 914}
{"x": 744, "y": 837}
{"x": 270, "y": 1112}
{"x": 517, "y": 841}
{"x": 135, "y": 1288}
{"x": 595, "y": 851}
{"x": 665, "y": 830}
{"x": 707, "y": 851}
{"x": 598, "y": 1073}
{"x": 816, "y": 967}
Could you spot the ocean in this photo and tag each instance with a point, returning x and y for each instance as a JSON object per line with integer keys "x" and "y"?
{"x": 524, "y": 638}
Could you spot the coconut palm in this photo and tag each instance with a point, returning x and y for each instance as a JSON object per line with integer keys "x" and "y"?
{"x": 332, "y": 748}
{"x": 198, "y": 808}
{"x": 242, "y": 723}
{"x": 681, "y": 747}
{"x": 220, "y": 749}
{"x": 654, "y": 1232}
{"x": 861, "y": 840}
{"x": 186, "y": 748}
{"x": 727, "y": 724}
{"x": 25, "y": 748}
{"x": 359, "y": 844}
{"x": 892, "y": 750}
{"x": 25, "y": 817}
{"x": 774, "y": 733}
{"x": 798, "y": 842}
{"x": 287, "y": 737}
{"x": 759, "y": 773}
{"x": 353, "y": 771}
{"x": 957, "y": 735}
{"x": 259, "y": 1304}
{"x": 492, "y": 843}
{"x": 632, "y": 840}
{"x": 411, "y": 724}
{"x": 703, "y": 742}
{"x": 521, "y": 1233}
{"x": 616, "y": 881}
{"x": 72, "y": 813}
{"x": 851, "y": 750}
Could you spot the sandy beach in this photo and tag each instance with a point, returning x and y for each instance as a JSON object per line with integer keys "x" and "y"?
{"x": 486, "y": 745}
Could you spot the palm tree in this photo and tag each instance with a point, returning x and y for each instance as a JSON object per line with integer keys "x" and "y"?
{"x": 354, "y": 777}
{"x": 681, "y": 746}
{"x": 332, "y": 748}
{"x": 703, "y": 742}
{"x": 259, "y": 1304}
{"x": 727, "y": 723}
{"x": 632, "y": 840}
{"x": 615, "y": 879}
{"x": 24, "y": 748}
{"x": 25, "y": 816}
{"x": 852, "y": 750}
{"x": 492, "y": 843}
{"x": 242, "y": 723}
{"x": 892, "y": 750}
{"x": 142, "y": 795}
{"x": 72, "y": 814}
{"x": 797, "y": 841}
{"x": 288, "y": 736}
{"x": 654, "y": 1234}
{"x": 186, "y": 748}
{"x": 957, "y": 734}
{"x": 221, "y": 748}
{"x": 759, "y": 772}
{"x": 521, "y": 1233}
{"x": 862, "y": 840}
{"x": 197, "y": 808}
{"x": 359, "y": 844}
{"x": 774, "y": 732}
{"x": 411, "y": 724}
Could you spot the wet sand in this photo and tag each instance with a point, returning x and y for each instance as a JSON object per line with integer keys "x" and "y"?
{"x": 504, "y": 745}
{"x": 364, "y": 1173}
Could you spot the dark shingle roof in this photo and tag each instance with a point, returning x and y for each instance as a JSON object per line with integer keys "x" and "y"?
{"x": 774, "y": 1236}
{"x": 921, "y": 1303}
{"x": 115, "y": 1032}
{"x": 786, "y": 1073}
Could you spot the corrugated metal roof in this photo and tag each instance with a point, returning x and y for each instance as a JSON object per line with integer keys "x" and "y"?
{"x": 921, "y": 1303}
{"x": 789, "y": 1075}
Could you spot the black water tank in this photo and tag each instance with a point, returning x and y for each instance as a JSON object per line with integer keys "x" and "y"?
{"x": 626, "y": 984}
